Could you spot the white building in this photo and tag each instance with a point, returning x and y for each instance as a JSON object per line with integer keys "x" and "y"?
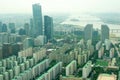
{"x": 40, "y": 40}
{"x": 111, "y": 53}
{"x": 86, "y": 69}
{"x": 71, "y": 68}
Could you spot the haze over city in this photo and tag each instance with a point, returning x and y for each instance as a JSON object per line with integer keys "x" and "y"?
{"x": 59, "y": 40}
{"x": 60, "y": 6}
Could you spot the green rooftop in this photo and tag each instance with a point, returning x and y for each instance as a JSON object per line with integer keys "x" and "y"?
{"x": 101, "y": 63}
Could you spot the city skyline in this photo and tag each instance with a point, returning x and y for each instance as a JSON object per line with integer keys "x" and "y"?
{"x": 50, "y": 45}
{"x": 64, "y": 6}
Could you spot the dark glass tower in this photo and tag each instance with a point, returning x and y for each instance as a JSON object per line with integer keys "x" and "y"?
{"x": 0, "y": 26}
{"x": 104, "y": 32}
{"x": 12, "y": 27}
{"x": 37, "y": 20}
{"x": 48, "y": 25}
{"x": 4, "y": 28}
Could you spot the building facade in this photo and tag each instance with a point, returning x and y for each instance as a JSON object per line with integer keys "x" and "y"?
{"x": 48, "y": 24}
{"x": 104, "y": 32}
{"x": 88, "y": 31}
{"x": 37, "y": 20}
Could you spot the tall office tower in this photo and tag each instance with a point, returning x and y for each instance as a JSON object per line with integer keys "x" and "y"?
{"x": 88, "y": 30}
{"x": 27, "y": 28}
{"x": 12, "y": 27}
{"x": 95, "y": 37}
{"x": 31, "y": 28}
{"x": 104, "y": 32}
{"x": 48, "y": 27}
{"x": 0, "y": 26}
{"x": 28, "y": 42}
{"x": 16, "y": 47}
{"x": 6, "y": 50}
{"x": 37, "y": 20}
{"x": 21, "y": 32}
{"x": 4, "y": 28}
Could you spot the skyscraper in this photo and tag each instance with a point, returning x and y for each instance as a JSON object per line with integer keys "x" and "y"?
{"x": 31, "y": 28}
{"x": 37, "y": 20}
{"x": 104, "y": 32}
{"x": 27, "y": 28}
{"x": 88, "y": 30}
{"x": 0, "y": 26}
{"x": 12, "y": 27}
{"x": 48, "y": 25}
{"x": 4, "y": 28}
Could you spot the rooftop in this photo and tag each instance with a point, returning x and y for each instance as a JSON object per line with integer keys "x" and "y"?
{"x": 101, "y": 63}
{"x": 106, "y": 77}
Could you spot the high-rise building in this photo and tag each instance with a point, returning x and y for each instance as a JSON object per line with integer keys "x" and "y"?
{"x": 86, "y": 69}
{"x": 6, "y": 50}
{"x": 4, "y": 28}
{"x": 16, "y": 47}
{"x": 27, "y": 28}
{"x": 4, "y": 38}
{"x": 95, "y": 36}
{"x": 104, "y": 32}
{"x": 31, "y": 28}
{"x": 37, "y": 20}
{"x": 0, "y": 26}
{"x": 40, "y": 40}
{"x": 28, "y": 42}
{"x": 21, "y": 31}
{"x": 48, "y": 25}
{"x": 71, "y": 68}
{"x": 12, "y": 27}
{"x": 88, "y": 32}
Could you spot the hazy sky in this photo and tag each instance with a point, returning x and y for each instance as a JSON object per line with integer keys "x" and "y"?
{"x": 25, "y": 6}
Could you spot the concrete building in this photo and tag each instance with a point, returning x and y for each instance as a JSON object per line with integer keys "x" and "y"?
{"x": 86, "y": 69}
{"x": 27, "y": 29}
{"x": 39, "y": 68}
{"x": 52, "y": 73}
{"x": 37, "y": 20}
{"x": 88, "y": 31}
{"x": 108, "y": 44}
{"x": 12, "y": 38}
{"x": 16, "y": 70}
{"x": 39, "y": 55}
{"x": 71, "y": 68}
{"x": 111, "y": 55}
{"x": 69, "y": 78}
{"x": 7, "y": 50}
{"x": 4, "y": 28}
{"x": 17, "y": 47}
{"x": 11, "y": 75}
{"x": 104, "y": 32}
{"x": 98, "y": 45}
{"x": 1, "y": 77}
{"x": 83, "y": 57}
{"x": 48, "y": 25}
{"x": 107, "y": 77}
{"x": 12, "y": 27}
{"x": 4, "y": 38}
{"x": 40, "y": 40}
{"x": 26, "y": 52}
{"x": 101, "y": 52}
{"x": 0, "y": 27}
{"x": 89, "y": 43}
{"x": 31, "y": 28}
{"x": 6, "y": 76}
{"x": 1, "y": 55}
{"x": 28, "y": 42}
